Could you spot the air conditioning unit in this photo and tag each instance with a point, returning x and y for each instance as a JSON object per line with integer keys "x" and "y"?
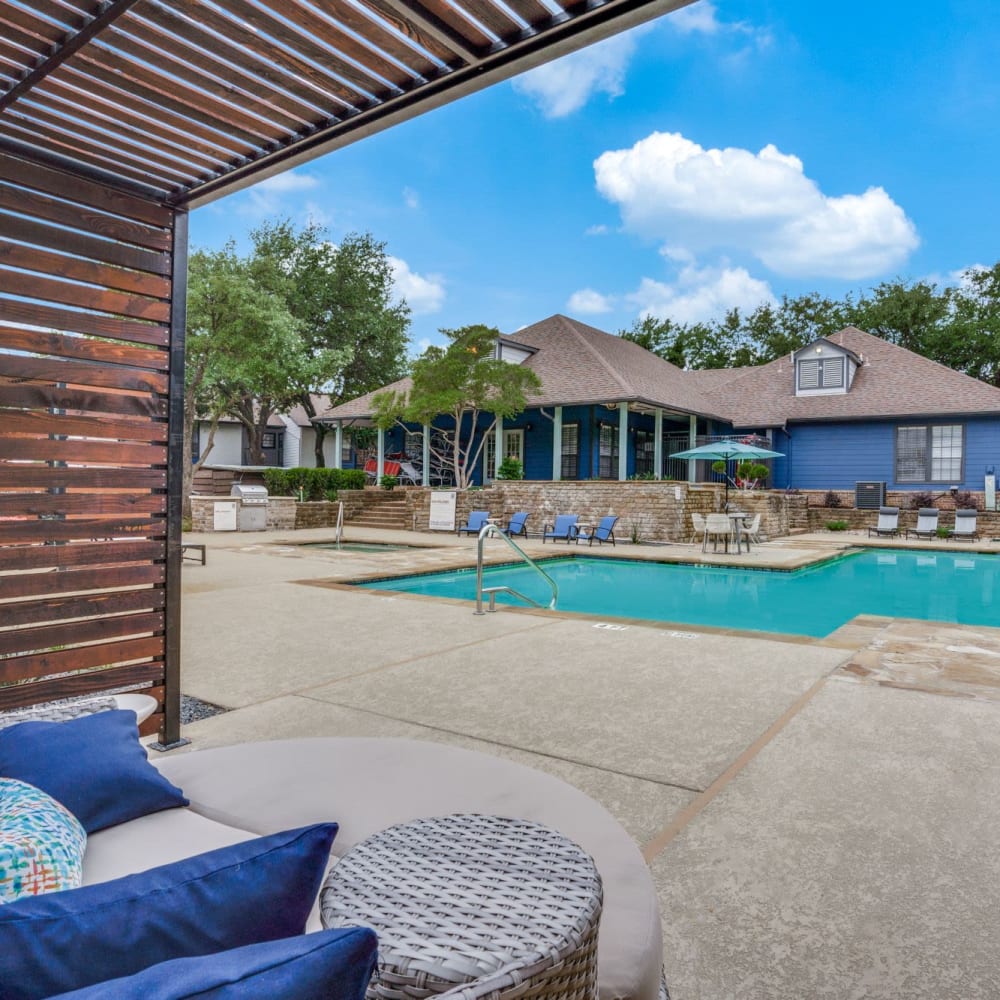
{"x": 869, "y": 496}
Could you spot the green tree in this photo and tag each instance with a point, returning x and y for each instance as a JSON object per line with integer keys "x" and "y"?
{"x": 354, "y": 335}
{"x": 460, "y": 381}
{"x": 971, "y": 341}
{"x": 910, "y": 314}
{"x": 237, "y": 337}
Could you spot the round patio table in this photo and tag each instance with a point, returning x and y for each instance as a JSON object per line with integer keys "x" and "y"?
{"x": 478, "y": 905}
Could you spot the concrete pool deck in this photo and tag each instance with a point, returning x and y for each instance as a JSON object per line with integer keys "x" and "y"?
{"x": 819, "y": 815}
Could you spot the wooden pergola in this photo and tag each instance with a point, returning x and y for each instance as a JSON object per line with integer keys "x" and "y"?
{"x": 116, "y": 118}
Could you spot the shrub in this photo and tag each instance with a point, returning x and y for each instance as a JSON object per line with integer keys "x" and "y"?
{"x": 942, "y": 532}
{"x": 964, "y": 500}
{"x": 837, "y": 525}
{"x": 312, "y": 484}
{"x": 388, "y": 482}
{"x": 918, "y": 500}
{"x": 510, "y": 468}
{"x": 832, "y": 499}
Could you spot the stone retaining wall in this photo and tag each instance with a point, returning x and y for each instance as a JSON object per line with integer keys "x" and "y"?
{"x": 648, "y": 511}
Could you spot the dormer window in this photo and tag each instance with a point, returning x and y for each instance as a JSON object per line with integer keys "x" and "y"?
{"x": 824, "y": 369}
{"x": 821, "y": 373}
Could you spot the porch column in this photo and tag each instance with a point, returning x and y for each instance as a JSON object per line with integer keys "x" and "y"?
{"x": 425, "y": 476}
{"x": 557, "y": 445}
{"x": 498, "y": 450}
{"x": 380, "y": 455}
{"x": 338, "y": 445}
{"x": 692, "y": 443}
{"x": 622, "y": 441}
{"x": 658, "y": 442}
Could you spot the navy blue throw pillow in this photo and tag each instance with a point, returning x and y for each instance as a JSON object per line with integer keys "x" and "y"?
{"x": 328, "y": 965}
{"x": 260, "y": 890}
{"x": 95, "y": 766}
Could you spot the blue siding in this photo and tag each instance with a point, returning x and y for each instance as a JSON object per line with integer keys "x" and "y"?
{"x": 837, "y": 455}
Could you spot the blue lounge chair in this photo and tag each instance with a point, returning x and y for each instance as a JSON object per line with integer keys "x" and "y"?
{"x": 564, "y": 528}
{"x": 518, "y": 524}
{"x": 604, "y": 532}
{"x": 476, "y": 521}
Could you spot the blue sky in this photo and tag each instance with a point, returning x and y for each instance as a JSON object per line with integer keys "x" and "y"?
{"x": 723, "y": 155}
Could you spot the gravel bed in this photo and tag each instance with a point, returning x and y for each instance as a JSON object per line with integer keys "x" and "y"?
{"x": 193, "y": 709}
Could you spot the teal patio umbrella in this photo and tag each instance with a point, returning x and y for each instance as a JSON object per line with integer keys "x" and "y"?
{"x": 725, "y": 451}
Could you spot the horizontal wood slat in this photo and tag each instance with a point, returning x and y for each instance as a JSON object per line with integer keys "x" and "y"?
{"x": 82, "y": 191}
{"x": 81, "y": 373}
{"x": 115, "y": 429}
{"x": 94, "y": 605}
{"x": 43, "y": 477}
{"x": 81, "y": 503}
{"x": 100, "y": 452}
{"x": 83, "y": 245}
{"x": 19, "y": 668}
{"x": 77, "y": 685}
{"x": 42, "y": 397}
{"x": 83, "y": 529}
{"x": 91, "y": 272}
{"x": 96, "y": 629}
{"x": 33, "y": 286}
{"x": 72, "y": 581}
{"x": 84, "y": 349}
{"x": 64, "y": 213}
{"x": 77, "y": 554}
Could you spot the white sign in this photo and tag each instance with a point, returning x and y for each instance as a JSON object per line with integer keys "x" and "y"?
{"x": 443, "y": 510}
{"x": 991, "y": 491}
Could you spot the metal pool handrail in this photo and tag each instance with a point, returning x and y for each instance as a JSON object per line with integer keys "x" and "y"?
{"x": 340, "y": 522}
{"x": 492, "y": 530}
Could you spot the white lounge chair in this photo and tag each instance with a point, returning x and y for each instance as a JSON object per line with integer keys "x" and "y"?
{"x": 697, "y": 527}
{"x": 965, "y": 525}
{"x": 888, "y": 523}
{"x": 927, "y": 523}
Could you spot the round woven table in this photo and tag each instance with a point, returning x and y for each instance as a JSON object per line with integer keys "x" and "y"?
{"x": 479, "y": 906}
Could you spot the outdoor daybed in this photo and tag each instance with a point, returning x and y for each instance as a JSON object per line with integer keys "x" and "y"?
{"x": 365, "y": 785}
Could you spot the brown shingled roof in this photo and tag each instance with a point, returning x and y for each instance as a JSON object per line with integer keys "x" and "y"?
{"x": 579, "y": 364}
{"x": 892, "y": 382}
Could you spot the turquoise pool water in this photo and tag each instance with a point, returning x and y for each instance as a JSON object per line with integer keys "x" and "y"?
{"x": 939, "y": 586}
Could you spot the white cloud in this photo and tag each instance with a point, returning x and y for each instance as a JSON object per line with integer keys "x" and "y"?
{"x": 410, "y": 198}
{"x": 423, "y": 293}
{"x": 565, "y": 85}
{"x": 599, "y": 230}
{"x": 701, "y": 294}
{"x": 668, "y": 187}
{"x": 273, "y": 195}
{"x": 587, "y": 302}
{"x": 703, "y": 19}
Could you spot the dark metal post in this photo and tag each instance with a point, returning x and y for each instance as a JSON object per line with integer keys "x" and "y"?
{"x": 170, "y": 735}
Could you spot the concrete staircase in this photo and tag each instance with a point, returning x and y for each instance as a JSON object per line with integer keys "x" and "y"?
{"x": 383, "y": 509}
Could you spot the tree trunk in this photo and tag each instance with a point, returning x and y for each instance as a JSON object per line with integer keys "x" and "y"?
{"x": 321, "y": 431}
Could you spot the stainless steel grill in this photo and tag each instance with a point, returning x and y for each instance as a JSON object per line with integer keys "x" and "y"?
{"x": 253, "y": 506}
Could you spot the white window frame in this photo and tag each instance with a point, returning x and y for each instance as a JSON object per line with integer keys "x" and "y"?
{"x": 940, "y": 444}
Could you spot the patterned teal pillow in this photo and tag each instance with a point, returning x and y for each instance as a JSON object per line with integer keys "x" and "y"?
{"x": 41, "y": 843}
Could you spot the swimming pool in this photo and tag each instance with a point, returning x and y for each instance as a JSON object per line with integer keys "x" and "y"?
{"x": 939, "y": 586}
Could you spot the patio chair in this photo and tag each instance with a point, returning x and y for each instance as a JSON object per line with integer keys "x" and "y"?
{"x": 518, "y": 524}
{"x": 604, "y": 532}
{"x": 751, "y": 530}
{"x": 716, "y": 526}
{"x": 477, "y": 519}
{"x": 965, "y": 525}
{"x": 927, "y": 523}
{"x": 564, "y": 528}
{"x": 888, "y": 523}
{"x": 697, "y": 527}
{"x": 409, "y": 473}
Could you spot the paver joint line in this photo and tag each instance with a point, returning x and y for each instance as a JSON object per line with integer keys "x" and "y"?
{"x": 697, "y": 805}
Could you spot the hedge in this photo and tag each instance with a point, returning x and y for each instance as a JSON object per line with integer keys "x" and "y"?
{"x": 314, "y": 484}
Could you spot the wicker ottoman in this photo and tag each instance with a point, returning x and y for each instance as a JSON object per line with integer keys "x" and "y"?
{"x": 480, "y": 906}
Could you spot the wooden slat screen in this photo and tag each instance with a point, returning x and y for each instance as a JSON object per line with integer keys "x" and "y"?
{"x": 85, "y": 308}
